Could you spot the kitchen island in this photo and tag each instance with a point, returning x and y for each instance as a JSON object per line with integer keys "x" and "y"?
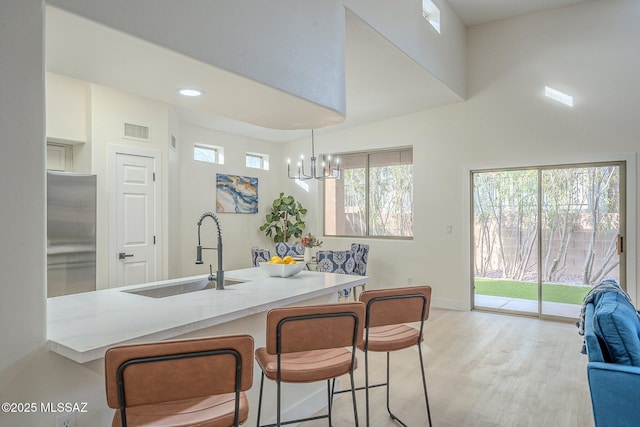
{"x": 83, "y": 326}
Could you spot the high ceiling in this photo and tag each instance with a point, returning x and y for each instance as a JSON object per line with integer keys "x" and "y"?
{"x": 475, "y": 12}
{"x": 381, "y": 81}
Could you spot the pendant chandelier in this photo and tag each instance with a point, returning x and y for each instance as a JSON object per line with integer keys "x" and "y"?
{"x": 325, "y": 170}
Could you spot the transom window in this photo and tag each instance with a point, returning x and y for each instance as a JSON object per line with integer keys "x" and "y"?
{"x": 431, "y": 13}
{"x": 374, "y": 197}
{"x": 257, "y": 161}
{"x": 208, "y": 153}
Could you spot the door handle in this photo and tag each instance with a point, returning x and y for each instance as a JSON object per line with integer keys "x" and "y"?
{"x": 620, "y": 244}
{"x": 123, "y": 255}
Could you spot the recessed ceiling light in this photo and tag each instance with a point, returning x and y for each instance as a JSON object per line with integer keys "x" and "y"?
{"x": 556, "y": 95}
{"x": 190, "y": 92}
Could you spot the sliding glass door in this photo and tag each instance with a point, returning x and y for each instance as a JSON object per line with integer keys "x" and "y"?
{"x": 505, "y": 240}
{"x": 542, "y": 237}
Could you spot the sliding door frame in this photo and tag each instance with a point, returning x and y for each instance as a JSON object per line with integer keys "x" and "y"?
{"x": 627, "y": 225}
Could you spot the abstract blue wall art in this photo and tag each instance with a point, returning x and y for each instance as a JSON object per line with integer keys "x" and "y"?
{"x": 236, "y": 194}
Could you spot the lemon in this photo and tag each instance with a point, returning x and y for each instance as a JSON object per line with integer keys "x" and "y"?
{"x": 288, "y": 260}
{"x": 276, "y": 260}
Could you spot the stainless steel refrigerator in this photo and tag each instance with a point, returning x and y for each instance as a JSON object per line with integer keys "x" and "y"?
{"x": 71, "y": 233}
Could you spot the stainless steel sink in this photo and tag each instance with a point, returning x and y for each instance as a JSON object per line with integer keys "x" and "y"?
{"x": 180, "y": 288}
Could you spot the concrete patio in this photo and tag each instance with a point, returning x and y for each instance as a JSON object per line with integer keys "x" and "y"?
{"x": 556, "y": 309}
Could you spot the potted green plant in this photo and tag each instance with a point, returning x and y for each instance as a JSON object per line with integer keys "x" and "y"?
{"x": 285, "y": 219}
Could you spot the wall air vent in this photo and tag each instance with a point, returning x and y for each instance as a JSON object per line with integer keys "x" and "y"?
{"x": 137, "y": 132}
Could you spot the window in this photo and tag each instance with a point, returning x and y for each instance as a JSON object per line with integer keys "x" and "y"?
{"x": 257, "y": 161}
{"x": 556, "y": 95}
{"x": 431, "y": 13}
{"x": 373, "y": 198}
{"x": 208, "y": 153}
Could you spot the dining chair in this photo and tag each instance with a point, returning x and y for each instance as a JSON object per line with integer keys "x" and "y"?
{"x": 191, "y": 382}
{"x": 289, "y": 248}
{"x": 362, "y": 256}
{"x": 259, "y": 255}
{"x": 387, "y": 312}
{"x": 343, "y": 262}
{"x": 309, "y": 344}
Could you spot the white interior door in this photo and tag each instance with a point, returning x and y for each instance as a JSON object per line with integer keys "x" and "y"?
{"x": 135, "y": 219}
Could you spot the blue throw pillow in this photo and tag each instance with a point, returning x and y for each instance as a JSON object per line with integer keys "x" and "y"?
{"x": 616, "y": 323}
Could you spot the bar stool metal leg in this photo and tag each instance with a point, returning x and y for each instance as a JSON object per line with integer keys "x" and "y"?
{"x": 329, "y": 400}
{"x": 353, "y": 398}
{"x": 391, "y": 414}
{"x": 424, "y": 383}
{"x": 366, "y": 383}
{"x": 260, "y": 400}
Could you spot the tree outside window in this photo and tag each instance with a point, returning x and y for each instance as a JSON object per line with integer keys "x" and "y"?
{"x": 374, "y": 197}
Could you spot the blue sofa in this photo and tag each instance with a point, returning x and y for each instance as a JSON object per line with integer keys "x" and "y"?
{"x": 611, "y": 328}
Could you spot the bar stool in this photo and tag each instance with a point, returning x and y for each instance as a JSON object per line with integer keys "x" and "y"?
{"x": 307, "y": 344}
{"x": 385, "y": 331}
{"x": 193, "y": 382}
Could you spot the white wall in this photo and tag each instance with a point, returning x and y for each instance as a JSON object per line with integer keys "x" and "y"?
{"x": 22, "y": 186}
{"x": 586, "y": 50}
{"x": 173, "y": 198}
{"x": 198, "y": 195}
{"x": 401, "y": 22}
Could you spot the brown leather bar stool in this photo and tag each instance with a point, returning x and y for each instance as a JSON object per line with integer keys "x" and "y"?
{"x": 193, "y": 382}
{"x": 307, "y": 344}
{"x": 385, "y": 331}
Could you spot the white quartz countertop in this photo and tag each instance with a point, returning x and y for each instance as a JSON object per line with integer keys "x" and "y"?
{"x": 83, "y": 326}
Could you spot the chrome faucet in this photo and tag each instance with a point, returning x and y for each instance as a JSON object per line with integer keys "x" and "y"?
{"x": 219, "y": 277}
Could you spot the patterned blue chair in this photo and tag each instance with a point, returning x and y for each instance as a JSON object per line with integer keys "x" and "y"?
{"x": 288, "y": 248}
{"x": 259, "y": 255}
{"x": 362, "y": 255}
{"x": 343, "y": 262}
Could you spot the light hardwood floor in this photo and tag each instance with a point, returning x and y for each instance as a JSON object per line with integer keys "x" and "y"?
{"x": 483, "y": 369}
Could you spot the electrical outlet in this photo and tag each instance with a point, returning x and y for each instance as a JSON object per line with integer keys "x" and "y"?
{"x": 66, "y": 420}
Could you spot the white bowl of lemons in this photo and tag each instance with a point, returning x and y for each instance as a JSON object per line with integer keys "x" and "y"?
{"x": 282, "y": 267}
